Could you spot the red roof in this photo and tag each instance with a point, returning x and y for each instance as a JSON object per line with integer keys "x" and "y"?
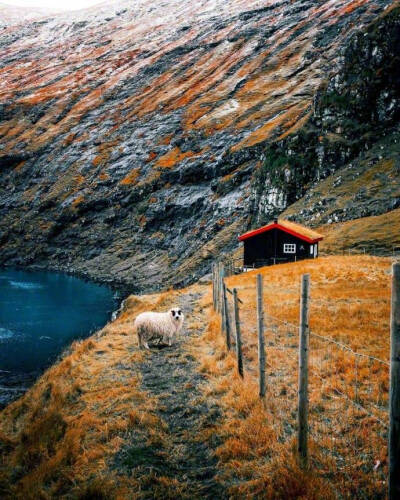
{"x": 304, "y": 233}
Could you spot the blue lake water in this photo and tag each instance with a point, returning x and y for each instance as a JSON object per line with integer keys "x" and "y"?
{"x": 40, "y": 314}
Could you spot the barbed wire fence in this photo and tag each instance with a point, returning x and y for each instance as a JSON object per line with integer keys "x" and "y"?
{"x": 338, "y": 401}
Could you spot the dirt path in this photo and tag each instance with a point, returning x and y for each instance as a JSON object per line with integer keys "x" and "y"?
{"x": 185, "y": 458}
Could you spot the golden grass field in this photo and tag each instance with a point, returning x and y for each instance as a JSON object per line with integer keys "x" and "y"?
{"x": 59, "y": 438}
{"x": 350, "y": 302}
{"x": 379, "y": 232}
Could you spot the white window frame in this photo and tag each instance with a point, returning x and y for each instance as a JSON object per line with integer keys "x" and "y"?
{"x": 289, "y": 248}
{"x": 312, "y": 250}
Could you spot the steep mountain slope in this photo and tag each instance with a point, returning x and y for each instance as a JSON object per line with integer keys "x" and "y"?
{"x": 376, "y": 234}
{"x": 137, "y": 140}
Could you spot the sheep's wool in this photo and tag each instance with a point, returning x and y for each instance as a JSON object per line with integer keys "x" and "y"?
{"x": 156, "y": 327}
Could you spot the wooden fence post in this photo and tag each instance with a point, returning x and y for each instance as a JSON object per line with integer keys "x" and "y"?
{"x": 213, "y": 286}
{"x": 221, "y": 273}
{"x": 223, "y": 308}
{"x": 394, "y": 402}
{"x": 261, "y": 339}
{"x": 238, "y": 334}
{"x": 227, "y": 322}
{"x": 216, "y": 285}
{"x": 303, "y": 371}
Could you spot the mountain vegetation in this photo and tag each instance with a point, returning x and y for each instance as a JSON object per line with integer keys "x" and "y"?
{"x": 137, "y": 140}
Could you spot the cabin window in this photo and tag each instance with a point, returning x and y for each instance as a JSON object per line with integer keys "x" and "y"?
{"x": 289, "y": 248}
{"x": 312, "y": 249}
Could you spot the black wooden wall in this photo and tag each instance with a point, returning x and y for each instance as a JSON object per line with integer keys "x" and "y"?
{"x": 267, "y": 248}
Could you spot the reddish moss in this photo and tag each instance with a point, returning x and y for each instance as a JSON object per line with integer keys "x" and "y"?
{"x": 131, "y": 178}
{"x": 78, "y": 200}
{"x": 103, "y": 176}
{"x": 151, "y": 156}
{"x": 174, "y": 156}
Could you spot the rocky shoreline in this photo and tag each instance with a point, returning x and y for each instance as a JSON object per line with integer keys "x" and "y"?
{"x": 14, "y": 385}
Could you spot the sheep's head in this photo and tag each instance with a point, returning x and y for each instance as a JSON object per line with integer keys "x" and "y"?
{"x": 176, "y": 314}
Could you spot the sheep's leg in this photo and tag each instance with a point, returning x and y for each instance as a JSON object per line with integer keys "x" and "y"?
{"x": 140, "y": 339}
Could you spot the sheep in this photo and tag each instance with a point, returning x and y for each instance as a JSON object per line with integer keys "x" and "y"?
{"x": 154, "y": 326}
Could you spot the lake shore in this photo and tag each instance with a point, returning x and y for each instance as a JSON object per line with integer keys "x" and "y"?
{"x": 41, "y": 313}
{"x": 14, "y": 385}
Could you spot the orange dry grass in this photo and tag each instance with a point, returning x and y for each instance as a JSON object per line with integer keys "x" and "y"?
{"x": 287, "y": 120}
{"x": 350, "y": 303}
{"x": 59, "y": 437}
{"x": 103, "y": 176}
{"x": 252, "y": 458}
{"x": 79, "y": 199}
{"x": 62, "y": 434}
{"x": 131, "y": 178}
{"x": 349, "y": 298}
{"x": 174, "y": 156}
{"x": 101, "y": 158}
{"x": 382, "y": 230}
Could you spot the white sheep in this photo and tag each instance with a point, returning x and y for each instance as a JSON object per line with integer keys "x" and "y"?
{"x": 154, "y": 326}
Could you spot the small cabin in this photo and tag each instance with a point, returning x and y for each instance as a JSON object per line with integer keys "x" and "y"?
{"x": 279, "y": 241}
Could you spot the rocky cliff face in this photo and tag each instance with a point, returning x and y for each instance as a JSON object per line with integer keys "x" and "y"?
{"x": 354, "y": 127}
{"x": 138, "y": 139}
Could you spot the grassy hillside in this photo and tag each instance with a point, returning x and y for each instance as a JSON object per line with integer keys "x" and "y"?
{"x": 379, "y": 234}
{"x": 59, "y": 438}
{"x": 65, "y": 435}
{"x": 350, "y": 304}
